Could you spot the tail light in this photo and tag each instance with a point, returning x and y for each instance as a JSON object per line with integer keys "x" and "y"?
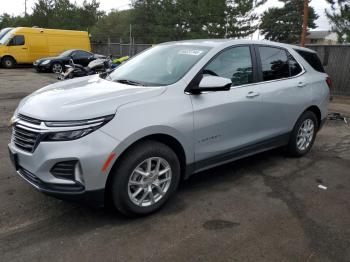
{"x": 329, "y": 81}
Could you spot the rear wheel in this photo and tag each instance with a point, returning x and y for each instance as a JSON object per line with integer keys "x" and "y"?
{"x": 8, "y": 62}
{"x": 146, "y": 178}
{"x": 303, "y": 135}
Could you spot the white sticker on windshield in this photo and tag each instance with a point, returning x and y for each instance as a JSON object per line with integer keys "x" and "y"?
{"x": 190, "y": 52}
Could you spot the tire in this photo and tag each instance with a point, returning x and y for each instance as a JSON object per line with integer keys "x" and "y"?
{"x": 301, "y": 141}
{"x": 8, "y": 62}
{"x": 56, "y": 68}
{"x": 138, "y": 157}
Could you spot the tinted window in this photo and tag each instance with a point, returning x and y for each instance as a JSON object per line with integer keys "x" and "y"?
{"x": 81, "y": 54}
{"x": 312, "y": 59}
{"x": 66, "y": 53}
{"x": 235, "y": 64}
{"x": 17, "y": 40}
{"x": 295, "y": 68}
{"x": 274, "y": 63}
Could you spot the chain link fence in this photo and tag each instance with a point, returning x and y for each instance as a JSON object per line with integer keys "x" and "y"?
{"x": 118, "y": 49}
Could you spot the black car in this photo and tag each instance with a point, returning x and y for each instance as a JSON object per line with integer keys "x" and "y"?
{"x": 56, "y": 64}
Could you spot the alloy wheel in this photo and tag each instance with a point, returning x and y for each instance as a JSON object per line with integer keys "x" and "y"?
{"x": 149, "y": 181}
{"x": 305, "y": 134}
{"x": 57, "y": 68}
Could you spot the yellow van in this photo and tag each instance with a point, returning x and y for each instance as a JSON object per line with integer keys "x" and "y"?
{"x": 24, "y": 45}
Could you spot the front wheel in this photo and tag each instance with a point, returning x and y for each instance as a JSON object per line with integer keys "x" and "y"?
{"x": 8, "y": 62}
{"x": 56, "y": 68}
{"x": 145, "y": 179}
{"x": 303, "y": 135}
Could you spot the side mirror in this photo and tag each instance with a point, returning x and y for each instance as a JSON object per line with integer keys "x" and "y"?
{"x": 213, "y": 83}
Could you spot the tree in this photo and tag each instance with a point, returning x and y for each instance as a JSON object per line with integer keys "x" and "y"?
{"x": 115, "y": 26}
{"x": 163, "y": 20}
{"x": 285, "y": 24}
{"x": 339, "y": 17}
{"x": 59, "y": 14}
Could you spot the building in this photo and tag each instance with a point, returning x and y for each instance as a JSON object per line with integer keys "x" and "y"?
{"x": 321, "y": 37}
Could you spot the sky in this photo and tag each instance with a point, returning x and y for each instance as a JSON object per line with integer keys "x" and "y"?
{"x": 16, "y": 7}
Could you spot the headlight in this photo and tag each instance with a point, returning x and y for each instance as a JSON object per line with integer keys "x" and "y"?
{"x": 45, "y": 62}
{"x": 77, "y": 130}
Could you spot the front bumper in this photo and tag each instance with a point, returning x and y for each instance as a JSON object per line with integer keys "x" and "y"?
{"x": 40, "y": 67}
{"x": 91, "y": 153}
{"x": 94, "y": 198}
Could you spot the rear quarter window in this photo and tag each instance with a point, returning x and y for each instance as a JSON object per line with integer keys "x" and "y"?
{"x": 312, "y": 59}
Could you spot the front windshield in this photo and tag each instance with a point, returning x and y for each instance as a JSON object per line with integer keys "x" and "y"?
{"x": 66, "y": 53}
{"x": 7, "y": 37}
{"x": 160, "y": 65}
{"x": 4, "y": 31}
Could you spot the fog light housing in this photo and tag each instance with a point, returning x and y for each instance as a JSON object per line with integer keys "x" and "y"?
{"x": 65, "y": 170}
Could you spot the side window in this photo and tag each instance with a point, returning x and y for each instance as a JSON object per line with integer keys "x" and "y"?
{"x": 235, "y": 64}
{"x": 81, "y": 54}
{"x": 274, "y": 63}
{"x": 312, "y": 59}
{"x": 295, "y": 68}
{"x": 17, "y": 40}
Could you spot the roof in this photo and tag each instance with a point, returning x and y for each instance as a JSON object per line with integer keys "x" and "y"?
{"x": 224, "y": 42}
{"x": 318, "y": 34}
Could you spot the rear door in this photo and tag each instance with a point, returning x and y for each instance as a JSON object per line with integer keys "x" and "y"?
{"x": 227, "y": 120}
{"x": 18, "y": 48}
{"x": 284, "y": 88}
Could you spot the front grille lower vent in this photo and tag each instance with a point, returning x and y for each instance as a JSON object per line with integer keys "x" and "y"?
{"x": 65, "y": 169}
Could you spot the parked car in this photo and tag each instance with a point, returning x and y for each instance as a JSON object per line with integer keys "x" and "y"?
{"x": 24, "y": 45}
{"x": 171, "y": 111}
{"x": 57, "y": 64}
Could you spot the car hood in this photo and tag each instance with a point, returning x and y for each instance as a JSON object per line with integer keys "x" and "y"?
{"x": 49, "y": 58}
{"x": 82, "y": 98}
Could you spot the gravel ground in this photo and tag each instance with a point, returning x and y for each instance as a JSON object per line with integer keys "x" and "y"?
{"x": 263, "y": 208}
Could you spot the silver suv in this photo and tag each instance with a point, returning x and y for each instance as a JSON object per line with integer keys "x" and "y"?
{"x": 173, "y": 110}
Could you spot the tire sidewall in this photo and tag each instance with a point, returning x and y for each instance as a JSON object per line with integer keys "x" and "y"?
{"x": 129, "y": 162}
{"x": 293, "y": 148}
{"x": 12, "y": 61}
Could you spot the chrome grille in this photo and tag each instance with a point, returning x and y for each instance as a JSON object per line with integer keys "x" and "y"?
{"x": 24, "y": 136}
{"x": 29, "y": 119}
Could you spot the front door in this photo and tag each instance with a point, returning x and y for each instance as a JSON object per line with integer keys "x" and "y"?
{"x": 18, "y": 48}
{"x": 226, "y": 121}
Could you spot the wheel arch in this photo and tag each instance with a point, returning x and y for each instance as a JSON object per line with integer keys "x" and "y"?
{"x": 315, "y": 109}
{"x": 166, "y": 139}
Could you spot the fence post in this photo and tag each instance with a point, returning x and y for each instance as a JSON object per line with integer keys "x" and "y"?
{"x": 120, "y": 48}
{"x": 109, "y": 46}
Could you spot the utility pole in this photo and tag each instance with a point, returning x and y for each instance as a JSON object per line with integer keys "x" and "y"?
{"x": 25, "y": 7}
{"x": 305, "y": 19}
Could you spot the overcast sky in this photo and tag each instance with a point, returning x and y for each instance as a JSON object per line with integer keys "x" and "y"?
{"x": 17, "y": 7}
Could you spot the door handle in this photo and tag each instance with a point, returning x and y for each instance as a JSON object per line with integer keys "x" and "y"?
{"x": 301, "y": 84}
{"x": 24, "y": 48}
{"x": 252, "y": 94}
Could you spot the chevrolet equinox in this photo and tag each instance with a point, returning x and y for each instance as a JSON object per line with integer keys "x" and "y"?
{"x": 171, "y": 111}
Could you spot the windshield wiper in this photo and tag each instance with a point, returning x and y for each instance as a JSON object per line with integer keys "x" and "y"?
{"x": 128, "y": 82}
